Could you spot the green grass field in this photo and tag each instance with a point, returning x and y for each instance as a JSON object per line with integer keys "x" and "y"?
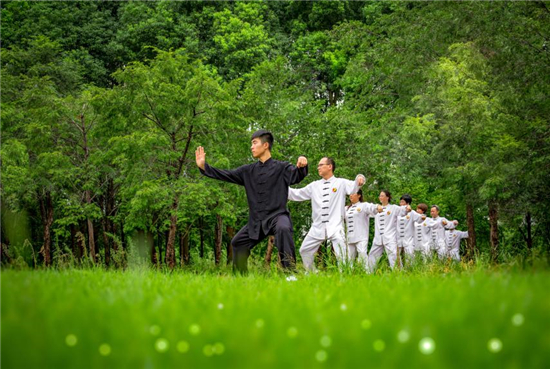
{"x": 477, "y": 318}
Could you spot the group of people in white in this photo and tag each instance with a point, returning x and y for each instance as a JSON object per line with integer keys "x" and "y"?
{"x": 398, "y": 228}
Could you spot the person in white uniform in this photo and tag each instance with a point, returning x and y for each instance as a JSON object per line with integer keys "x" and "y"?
{"x": 454, "y": 237}
{"x": 328, "y": 201}
{"x": 385, "y": 235}
{"x": 423, "y": 233}
{"x": 406, "y": 229}
{"x": 438, "y": 225}
{"x": 358, "y": 216}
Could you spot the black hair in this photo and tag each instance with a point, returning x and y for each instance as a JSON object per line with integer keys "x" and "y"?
{"x": 408, "y": 199}
{"x": 387, "y": 194}
{"x": 360, "y": 193}
{"x": 330, "y": 161}
{"x": 264, "y": 136}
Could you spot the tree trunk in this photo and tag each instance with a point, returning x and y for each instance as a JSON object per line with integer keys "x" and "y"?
{"x": 201, "y": 233}
{"x": 170, "y": 246}
{"x": 493, "y": 221}
{"x": 91, "y": 238}
{"x": 105, "y": 229}
{"x": 229, "y": 248}
{"x": 471, "y": 243}
{"x": 184, "y": 245}
{"x": 122, "y": 241}
{"x": 46, "y": 209}
{"x": 74, "y": 247}
{"x": 218, "y": 239}
{"x": 269, "y": 251}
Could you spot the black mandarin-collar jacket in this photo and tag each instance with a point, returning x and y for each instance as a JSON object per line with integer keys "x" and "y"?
{"x": 266, "y": 186}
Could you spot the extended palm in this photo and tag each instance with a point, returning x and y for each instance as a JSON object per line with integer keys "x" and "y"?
{"x": 200, "y": 157}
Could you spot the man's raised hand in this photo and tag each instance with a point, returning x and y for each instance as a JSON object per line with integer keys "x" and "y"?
{"x": 200, "y": 157}
{"x": 302, "y": 162}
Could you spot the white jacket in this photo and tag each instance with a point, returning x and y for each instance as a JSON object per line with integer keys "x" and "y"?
{"x": 438, "y": 229}
{"x": 405, "y": 226}
{"x": 328, "y": 201}
{"x": 386, "y": 224}
{"x": 453, "y": 238}
{"x": 358, "y": 219}
{"x": 423, "y": 236}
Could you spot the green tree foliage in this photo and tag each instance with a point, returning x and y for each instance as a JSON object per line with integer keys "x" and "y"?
{"x": 103, "y": 104}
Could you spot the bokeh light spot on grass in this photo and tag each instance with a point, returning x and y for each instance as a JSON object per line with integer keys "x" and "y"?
{"x": 326, "y": 341}
{"x": 292, "y": 332}
{"x": 403, "y": 336}
{"x": 518, "y": 320}
{"x": 260, "y": 323}
{"x": 343, "y": 307}
{"x": 494, "y": 345}
{"x": 321, "y": 356}
{"x": 195, "y": 329}
{"x": 218, "y": 348}
{"x": 161, "y": 345}
{"x": 183, "y": 346}
{"x": 208, "y": 350}
{"x": 379, "y": 345}
{"x": 220, "y": 306}
{"x": 104, "y": 349}
{"x": 426, "y": 345}
{"x": 71, "y": 340}
{"x": 154, "y": 330}
{"x": 366, "y": 324}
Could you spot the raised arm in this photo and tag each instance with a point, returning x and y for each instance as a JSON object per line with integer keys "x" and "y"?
{"x": 417, "y": 217}
{"x": 231, "y": 176}
{"x": 295, "y": 174}
{"x": 354, "y": 186}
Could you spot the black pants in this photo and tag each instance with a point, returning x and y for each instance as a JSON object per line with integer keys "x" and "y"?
{"x": 281, "y": 228}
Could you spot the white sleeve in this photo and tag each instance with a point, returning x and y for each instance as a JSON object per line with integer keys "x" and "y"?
{"x": 430, "y": 222}
{"x": 370, "y": 208}
{"x": 416, "y": 217}
{"x": 463, "y": 234}
{"x": 300, "y": 194}
{"x": 401, "y": 210}
{"x": 450, "y": 224}
{"x": 353, "y": 186}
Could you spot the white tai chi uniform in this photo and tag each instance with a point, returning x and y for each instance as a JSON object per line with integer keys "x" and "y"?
{"x": 357, "y": 221}
{"x": 385, "y": 235}
{"x": 328, "y": 201}
{"x": 423, "y": 238}
{"x": 406, "y": 231}
{"x": 438, "y": 241}
{"x": 453, "y": 242}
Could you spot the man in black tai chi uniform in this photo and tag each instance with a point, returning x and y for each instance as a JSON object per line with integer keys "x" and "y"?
{"x": 266, "y": 183}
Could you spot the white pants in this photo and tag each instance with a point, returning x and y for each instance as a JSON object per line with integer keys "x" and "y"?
{"x": 425, "y": 249}
{"x": 441, "y": 248}
{"x": 408, "y": 245}
{"x": 360, "y": 248}
{"x": 376, "y": 253}
{"x": 311, "y": 245}
{"x": 454, "y": 253}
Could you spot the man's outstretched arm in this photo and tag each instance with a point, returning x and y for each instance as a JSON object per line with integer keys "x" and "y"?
{"x": 231, "y": 176}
